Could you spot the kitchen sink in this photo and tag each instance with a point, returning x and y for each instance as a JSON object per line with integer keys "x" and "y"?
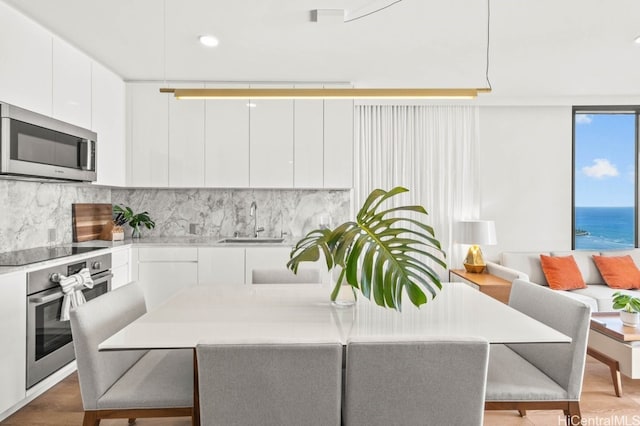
{"x": 249, "y": 240}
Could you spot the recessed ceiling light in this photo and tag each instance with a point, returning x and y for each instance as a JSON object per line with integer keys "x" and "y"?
{"x": 209, "y": 40}
{"x": 637, "y": 40}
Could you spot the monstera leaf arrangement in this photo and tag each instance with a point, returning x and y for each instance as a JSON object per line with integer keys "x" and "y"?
{"x": 381, "y": 254}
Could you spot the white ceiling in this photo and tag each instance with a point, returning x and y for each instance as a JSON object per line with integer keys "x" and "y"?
{"x": 538, "y": 47}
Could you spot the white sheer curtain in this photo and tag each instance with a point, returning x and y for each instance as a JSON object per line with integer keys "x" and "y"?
{"x": 430, "y": 150}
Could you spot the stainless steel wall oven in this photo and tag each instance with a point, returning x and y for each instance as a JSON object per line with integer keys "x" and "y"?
{"x": 49, "y": 341}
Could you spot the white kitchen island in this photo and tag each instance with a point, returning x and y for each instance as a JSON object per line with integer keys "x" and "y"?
{"x": 303, "y": 313}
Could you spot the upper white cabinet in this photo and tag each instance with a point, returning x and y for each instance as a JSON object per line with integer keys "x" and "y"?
{"x": 13, "y": 332}
{"x": 308, "y": 143}
{"x": 71, "y": 84}
{"x": 338, "y": 143}
{"x": 271, "y": 143}
{"x": 25, "y": 70}
{"x": 108, "y": 118}
{"x": 147, "y": 135}
{"x": 237, "y": 143}
{"x": 186, "y": 141}
{"x": 227, "y": 142}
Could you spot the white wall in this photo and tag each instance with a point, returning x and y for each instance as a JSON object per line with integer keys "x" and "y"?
{"x": 525, "y": 176}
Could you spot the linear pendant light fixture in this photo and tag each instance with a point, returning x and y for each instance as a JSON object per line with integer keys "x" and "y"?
{"x": 340, "y": 93}
{"x": 334, "y": 93}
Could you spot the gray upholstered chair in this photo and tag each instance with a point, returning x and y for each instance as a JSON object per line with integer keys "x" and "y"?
{"x": 270, "y": 384}
{"x": 541, "y": 376}
{"x": 438, "y": 381}
{"x": 281, "y": 276}
{"x": 128, "y": 383}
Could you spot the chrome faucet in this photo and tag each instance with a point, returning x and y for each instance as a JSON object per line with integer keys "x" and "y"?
{"x": 253, "y": 212}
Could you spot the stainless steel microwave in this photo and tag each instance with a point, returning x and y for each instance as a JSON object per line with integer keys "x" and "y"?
{"x": 35, "y": 145}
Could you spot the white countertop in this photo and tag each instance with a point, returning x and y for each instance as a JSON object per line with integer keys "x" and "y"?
{"x": 185, "y": 241}
{"x": 303, "y": 313}
{"x": 189, "y": 240}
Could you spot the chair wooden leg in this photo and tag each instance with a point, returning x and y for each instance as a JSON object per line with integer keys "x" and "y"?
{"x": 573, "y": 414}
{"x": 90, "y": 419}
{"x": 132, "y": 421}
{"x": 522, "y": 412}
{"x": 195, "y": 413}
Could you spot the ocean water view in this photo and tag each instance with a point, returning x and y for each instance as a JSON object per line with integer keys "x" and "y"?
{"x": 604, "y": 227}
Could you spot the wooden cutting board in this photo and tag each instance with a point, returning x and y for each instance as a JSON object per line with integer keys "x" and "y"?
{"x": 89, "y": 219}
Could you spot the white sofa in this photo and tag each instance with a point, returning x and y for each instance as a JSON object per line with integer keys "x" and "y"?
{"x": 598, "y": 295}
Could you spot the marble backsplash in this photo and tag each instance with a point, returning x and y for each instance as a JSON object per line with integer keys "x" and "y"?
{"x": 30, "y": 209}
{"x": 223, "y": 212}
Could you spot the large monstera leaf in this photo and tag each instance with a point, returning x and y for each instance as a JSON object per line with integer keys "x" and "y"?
{"x": 380, "y": 253}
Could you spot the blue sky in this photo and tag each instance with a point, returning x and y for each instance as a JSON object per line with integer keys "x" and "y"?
{"x": 604, "y": 160}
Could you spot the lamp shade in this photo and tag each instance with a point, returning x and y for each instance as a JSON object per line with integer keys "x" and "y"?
{"x": 479, "y": 232}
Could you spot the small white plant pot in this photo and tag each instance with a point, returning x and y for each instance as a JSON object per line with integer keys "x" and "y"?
{"x": 631, "y": 319}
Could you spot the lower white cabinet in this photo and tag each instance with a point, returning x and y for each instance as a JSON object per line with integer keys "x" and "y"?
{"x": 164, "y": 271}
{"x": 120, "y": 267}
{"x": 272, "y": 259}
{"x": 13, "y": 334}
{"x": 220, "y": 265}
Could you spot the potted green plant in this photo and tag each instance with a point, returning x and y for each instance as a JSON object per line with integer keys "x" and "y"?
{"x": 124, "y": 215}
{"x": 381, "y": 253}
{"x": 630, "y": 305}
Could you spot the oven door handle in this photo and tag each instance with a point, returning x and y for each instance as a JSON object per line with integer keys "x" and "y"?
{"x": 48, "y": 298}
{"x": 101, "y": 276}
{"x": 57, "y": 295}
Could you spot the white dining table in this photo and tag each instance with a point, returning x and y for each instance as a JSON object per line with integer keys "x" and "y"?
{"x": 302, "y": 313}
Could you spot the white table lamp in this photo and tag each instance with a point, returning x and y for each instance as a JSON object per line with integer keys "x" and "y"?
{"x": 476, "y": 233}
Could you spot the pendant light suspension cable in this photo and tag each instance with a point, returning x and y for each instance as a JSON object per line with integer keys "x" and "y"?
{"x": 488, "y": 42}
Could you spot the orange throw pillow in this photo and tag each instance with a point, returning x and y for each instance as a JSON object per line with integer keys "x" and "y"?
{"x": 618, "y": 272}
{"x": 562, "y": 272}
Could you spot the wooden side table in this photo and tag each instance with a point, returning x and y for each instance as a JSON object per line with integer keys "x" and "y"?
{"x": 616, "y": 345}
{"x": 493, "y": 286}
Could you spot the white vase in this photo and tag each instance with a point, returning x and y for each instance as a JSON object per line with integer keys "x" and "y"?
{"x": 631, "y": 319}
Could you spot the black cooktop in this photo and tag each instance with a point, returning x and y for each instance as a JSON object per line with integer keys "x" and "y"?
{"x": 40, "y": 254}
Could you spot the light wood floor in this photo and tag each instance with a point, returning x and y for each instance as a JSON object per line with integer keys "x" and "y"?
{"x": 62, "y": 406}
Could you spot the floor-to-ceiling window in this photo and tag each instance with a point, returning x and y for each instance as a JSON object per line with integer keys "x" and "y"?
{"x": 605, "y": 164}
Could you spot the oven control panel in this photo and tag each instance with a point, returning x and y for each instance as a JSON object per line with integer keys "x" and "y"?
{"x": 50, "y": 277}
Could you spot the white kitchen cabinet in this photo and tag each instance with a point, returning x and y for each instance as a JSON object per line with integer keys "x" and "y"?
{"x": 220, "y": 265}
{"x": 71, "y": 84}
{"x": 308, "y": 143}
{"x": 164, "y": 271}
{"x": 120, "y": 267}
{"x": 338, "y": 143}
{"x": 231, "y": 143}
{"x": 271, "y": 143}
{"x": 13, "y": 334}
{"x": 227, "y": 141}
{"x": 147, "y": 135}
{"x": 108, "y": 121}
{"x": 186, "y": 140}
{"x": 25, "y": 73}
{"x": 272, "y": 258}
